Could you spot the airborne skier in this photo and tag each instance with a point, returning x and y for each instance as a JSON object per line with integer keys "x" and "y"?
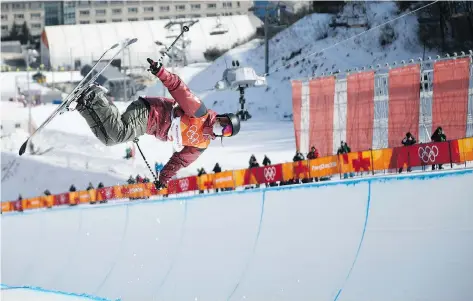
{"x": 183, "y": 119}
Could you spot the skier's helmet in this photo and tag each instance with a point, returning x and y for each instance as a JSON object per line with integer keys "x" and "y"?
{"x": 230, "y": 124}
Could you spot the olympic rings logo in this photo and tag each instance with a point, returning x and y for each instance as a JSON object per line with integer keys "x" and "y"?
{"x": 269, "y": 173}
{"x": 429, "y": 153}
{"x": 192, "y": 135}
{"x": 184, "y": 184}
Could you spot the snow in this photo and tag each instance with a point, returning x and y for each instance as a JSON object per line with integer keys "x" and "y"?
{"x": 320, "y": 56}
{"x": 11, "y": 80}
{"x": 345, "y": 238}
{"x": 75, "y": 147}
{"x": 358, "y": 239}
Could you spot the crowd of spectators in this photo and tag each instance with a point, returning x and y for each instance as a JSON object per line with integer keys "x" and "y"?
{"x": 408, "y": 140}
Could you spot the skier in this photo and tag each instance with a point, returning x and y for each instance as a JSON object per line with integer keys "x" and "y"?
{"x": 183, "y": 119}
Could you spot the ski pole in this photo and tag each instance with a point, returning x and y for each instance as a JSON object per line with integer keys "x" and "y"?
{"x": 184, "y": 29}
{"x": 146, "y": 161}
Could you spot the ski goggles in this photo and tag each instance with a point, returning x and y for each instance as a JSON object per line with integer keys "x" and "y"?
{"x": 227, "y": 130}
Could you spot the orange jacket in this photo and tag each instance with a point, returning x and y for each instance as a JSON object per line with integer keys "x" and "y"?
{"x": 184, "y": 120}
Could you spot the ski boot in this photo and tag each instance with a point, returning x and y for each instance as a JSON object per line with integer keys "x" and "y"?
{"x": 89, "y": 96}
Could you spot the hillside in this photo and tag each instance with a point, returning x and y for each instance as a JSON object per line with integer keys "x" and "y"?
{"x": 313, "y": 38}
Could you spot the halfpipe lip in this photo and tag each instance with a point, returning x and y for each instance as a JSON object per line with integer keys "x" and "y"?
{"x": 54, "y": 292}
{"x": 177, "y": 198}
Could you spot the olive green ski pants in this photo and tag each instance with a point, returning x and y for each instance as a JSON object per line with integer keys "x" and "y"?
{"x": 111, "y": 127}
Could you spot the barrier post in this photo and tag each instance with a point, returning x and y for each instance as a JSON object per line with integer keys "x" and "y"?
{"x": 450, "y": 153}
{"x": 372, "y": 161}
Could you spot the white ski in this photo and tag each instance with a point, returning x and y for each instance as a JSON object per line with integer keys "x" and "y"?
{"x": 79, "y": 89}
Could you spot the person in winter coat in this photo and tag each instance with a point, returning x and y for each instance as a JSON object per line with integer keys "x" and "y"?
{"x": 201, "y": 171}
{"x": 298, "y": 156}
{"x": 90, "y": 187}
{"x": 266, "y": 161}
{"x": 408, "y": 141}
{"x": 139, "y": 179}
{"x": 313, "y": 154}
{"x": 131, "y": 180}
{"x": 183, "y": 119}
{"x": 217, "y": 168}
{"x": 72, "y": 188}
{"x": 253, "y": 162}
{"x": 438, "y": 136}
{"x": 344, "y": 149}
{"x": 100, "y": 185}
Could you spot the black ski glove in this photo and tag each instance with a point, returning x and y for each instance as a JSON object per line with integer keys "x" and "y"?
{"x": 159, "y": 185}
{"x": 154, "y": 67}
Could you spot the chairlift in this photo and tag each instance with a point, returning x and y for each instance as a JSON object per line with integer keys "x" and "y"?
{"x": 172, "y": 33}
{"x": 219, "y": 28}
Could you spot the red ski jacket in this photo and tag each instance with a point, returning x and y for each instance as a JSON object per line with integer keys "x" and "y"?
{"x": 183, "y": 119}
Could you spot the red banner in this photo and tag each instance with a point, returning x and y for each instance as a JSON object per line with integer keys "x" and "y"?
{"x": 360, "y": 110}
{"x": 296, "y": 110}
{"x": 450, "y": 97}
{"x": 17, "y": 205}
{"x": 404, "y": 100}
{"x": 183, "y": 185}
{"x": 106, "y": 193}
{"x": 322, "y": 96}
{"x": 421, "y": 154}
{"x": 265, "y": 174}
{"x": 61, "y": 199}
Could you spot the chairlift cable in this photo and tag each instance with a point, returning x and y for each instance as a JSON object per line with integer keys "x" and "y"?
{"x": 352, "y": 37}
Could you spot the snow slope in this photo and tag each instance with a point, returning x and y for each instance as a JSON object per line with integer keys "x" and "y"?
{"x": 352, "y": 240}
{"x": 75, "y": 148}
{"x": 308, "y": 35}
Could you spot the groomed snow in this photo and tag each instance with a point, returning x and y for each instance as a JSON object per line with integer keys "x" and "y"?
{"x": 361, "y": 239}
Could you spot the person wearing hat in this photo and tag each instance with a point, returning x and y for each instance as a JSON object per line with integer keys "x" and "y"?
{"x": 182, "y": 120}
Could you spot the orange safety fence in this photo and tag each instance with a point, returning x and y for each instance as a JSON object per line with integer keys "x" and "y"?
{"x": 370, "y": 161}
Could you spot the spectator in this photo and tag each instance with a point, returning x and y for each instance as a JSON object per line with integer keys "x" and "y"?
{"x": 217, "y": 168}
{"x": 131, "y": 180}
{"x": 200, "y": 172}
{"x": 408, "y": 141}
{"x": 345, "y": 149}
{"x": 266, "y": 161}
{"x": 313, "y": 154}
{"x": 438, "y": 136}
{"x": 298, "y": 156}
{"x": 128, "y": 153}
{"x": 100, "y": 185}
{"x": 139, "y": 179}
{"x": 90, "y": 187}
{"x": 47, "y": 192}
{"x": 72, "y": 188}
{"x": 146, "y": 180}
{"x": 253, "y": 162}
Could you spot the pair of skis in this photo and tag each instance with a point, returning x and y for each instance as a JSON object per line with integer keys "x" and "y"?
{"x": 79, "y": 89}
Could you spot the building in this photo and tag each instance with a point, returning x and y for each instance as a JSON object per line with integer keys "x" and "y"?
{"x": 69, "y": 46}
{"x": 274, "y": 8}
{"x": 38, "y": 14}
{"x": 20, "y": 12}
